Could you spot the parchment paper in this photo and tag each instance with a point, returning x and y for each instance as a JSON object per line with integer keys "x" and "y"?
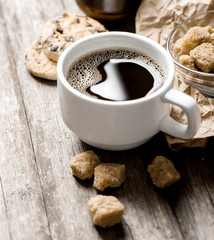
{"x": 155, "y": 19}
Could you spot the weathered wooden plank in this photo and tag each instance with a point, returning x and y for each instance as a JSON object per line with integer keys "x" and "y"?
{"x": 22, "y": 200}
{"x": 194, "y": 206}
{"x": 4, "y": 228}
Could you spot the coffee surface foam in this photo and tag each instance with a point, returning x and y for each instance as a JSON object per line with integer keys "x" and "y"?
{"x": 83, "y": 73}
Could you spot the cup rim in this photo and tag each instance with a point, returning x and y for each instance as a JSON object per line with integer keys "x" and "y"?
{"x": 170, "y": 52}
{"x": 167, "y": 83}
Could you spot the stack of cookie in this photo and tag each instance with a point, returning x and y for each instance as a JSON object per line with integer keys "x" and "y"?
{"x": 58, "y": 33}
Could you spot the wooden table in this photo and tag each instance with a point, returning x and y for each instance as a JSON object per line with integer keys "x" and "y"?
{"x": 39, "y": 197}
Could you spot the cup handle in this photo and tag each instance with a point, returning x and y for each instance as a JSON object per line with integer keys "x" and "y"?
{"x": 191, "y": 109}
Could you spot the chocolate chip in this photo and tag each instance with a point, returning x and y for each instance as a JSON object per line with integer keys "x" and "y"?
{"x": 89, "y": 24}
{"x": 77, "y": 20}
{"x": 54, "y": 48}
{"x": 68, "y": 39}
{"x": 54, "y": 20}
{"x": 59, "y": 29}
{"x": 39, "y": 42}
{"x": 39, "y": 51}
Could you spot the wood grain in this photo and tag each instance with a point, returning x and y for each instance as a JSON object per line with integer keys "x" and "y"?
{"x": 22, "y": 196}
{"x": 39, "y": 197}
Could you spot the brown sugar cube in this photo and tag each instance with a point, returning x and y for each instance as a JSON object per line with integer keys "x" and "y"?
{"x": 194, "y": 37}
{"x": 187, "y": 61}
{"x": 178, "y": 49}
{"x": 204, "y": 56}
{"x": 105, "y": 211}
{"x": 163, "y": 172}
{"x": 83, "y": 164}
{"x": 108, "y": 175}
{"x": 212, "y": 39}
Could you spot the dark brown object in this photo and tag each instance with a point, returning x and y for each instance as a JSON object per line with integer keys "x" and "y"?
{"x": 108, "y": 10}
{"x": 163, "y": 172}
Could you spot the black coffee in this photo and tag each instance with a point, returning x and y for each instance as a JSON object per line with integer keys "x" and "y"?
{"x": 116, "y": 75}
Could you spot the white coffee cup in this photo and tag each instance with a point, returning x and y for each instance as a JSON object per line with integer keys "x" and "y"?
{"x": 120, "y": 125}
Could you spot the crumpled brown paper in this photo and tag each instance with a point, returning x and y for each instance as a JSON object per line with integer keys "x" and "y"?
{"x": 155, "y": 20}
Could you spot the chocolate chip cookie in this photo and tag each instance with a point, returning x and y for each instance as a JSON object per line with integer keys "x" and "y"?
{"x": 62, "y": 31}
{"x": 38, "y": 63}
